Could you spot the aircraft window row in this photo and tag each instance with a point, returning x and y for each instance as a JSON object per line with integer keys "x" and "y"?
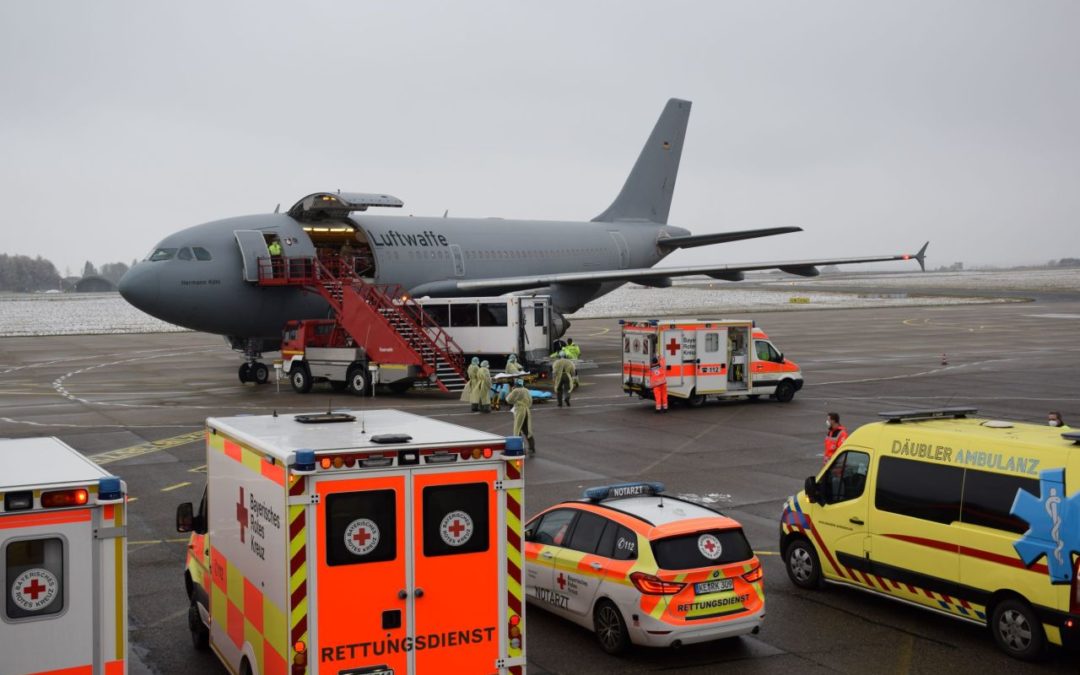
{"x": 193, "y": 253}
{"x": 949, "y": 494}
{"x": 523, "y": 254}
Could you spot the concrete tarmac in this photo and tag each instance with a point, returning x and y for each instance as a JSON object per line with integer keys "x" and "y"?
{"x": 137, "y": 402}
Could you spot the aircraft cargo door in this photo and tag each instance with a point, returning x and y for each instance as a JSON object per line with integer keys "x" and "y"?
{"x": 252, "y": 247}
{"x": 361, "y": 582}
{"x": 459, "y": 260}
{"x": 458, "y": 587}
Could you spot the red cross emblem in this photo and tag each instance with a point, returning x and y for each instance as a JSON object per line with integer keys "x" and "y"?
{"x": 361, "y": 537}
{"x": 673, "y": 346}
{"x": 242, "y": 515}
{"x": 562, "y": 582}
{"x": 456, "y": 528}
{"x": 34, "y": 589}
{"x": 710, "y": 546}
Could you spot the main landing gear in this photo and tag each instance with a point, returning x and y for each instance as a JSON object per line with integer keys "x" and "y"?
{"x": 253, "y": 370}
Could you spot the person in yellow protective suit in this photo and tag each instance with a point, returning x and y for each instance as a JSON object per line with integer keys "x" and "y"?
{"x": 469, "y": 392}
{"x": 564, "y": 373}
{"x": 483, "y": 386}
{"x": 521, "y": 399}
{"x": 513, "y": 368}
{"x": 572, "y": 350}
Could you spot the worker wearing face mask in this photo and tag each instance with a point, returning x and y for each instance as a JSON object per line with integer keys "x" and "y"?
{"x": 1053, "y": 418}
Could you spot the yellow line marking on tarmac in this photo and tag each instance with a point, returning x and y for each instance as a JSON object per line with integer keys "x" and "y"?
{"x": 603, "y": 332}
{"x": 176, "y": 487}
{"x": 132, "y": 499}
{"x": 767, "y": 552}
{"x": 199, "y": 469}
{"x": 147, "y": 448}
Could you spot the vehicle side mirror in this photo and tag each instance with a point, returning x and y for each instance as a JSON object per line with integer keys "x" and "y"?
{"x": 530, "y": 535}
{"x": 810, "y": 487}
{"x": 185, "y": 517}
{"x": 781, "y": 358}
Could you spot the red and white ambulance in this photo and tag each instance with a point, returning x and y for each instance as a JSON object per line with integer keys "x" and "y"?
{"x": 375, "y": 542}
{"x": 704, "y": 357}
{"x": 64, "y": 552}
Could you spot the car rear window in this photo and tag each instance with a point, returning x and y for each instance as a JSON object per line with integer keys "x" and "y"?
{"x": 707, "y": 548}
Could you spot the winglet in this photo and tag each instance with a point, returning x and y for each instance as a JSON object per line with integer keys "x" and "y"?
{"x": 921, "y": 256}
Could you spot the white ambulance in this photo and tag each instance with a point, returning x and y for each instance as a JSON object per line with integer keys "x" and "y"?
{"x": 64, "y": 552}
{"x": 375, "y": 542}
{"x": 704, "y": 357}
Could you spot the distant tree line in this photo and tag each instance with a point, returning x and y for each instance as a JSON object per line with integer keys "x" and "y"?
{"x": 1065, "y": 262}
{"x": 23, "y": 274}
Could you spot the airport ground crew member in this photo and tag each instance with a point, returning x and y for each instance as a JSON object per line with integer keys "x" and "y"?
{"x": 564, "y": 373}
{"x": 276, "y": 267}
{"x": 835, "y": 436}
{"x": 572, "y": 350}
{"x": 658, "y": 382}
{"x": 521, "y": 399}
{"x": 483, "y": 386}
{"x": 469, "y": 392}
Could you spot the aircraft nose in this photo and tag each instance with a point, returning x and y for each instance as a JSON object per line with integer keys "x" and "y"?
{"x": 141, "y": 288}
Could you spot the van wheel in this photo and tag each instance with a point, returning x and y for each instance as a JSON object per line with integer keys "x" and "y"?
{"x": 785, "y": 391}
{"x": 1017, "y": 630}
{"x": 695, "y": 400}
{"x": 300, "y": 379}
{"x": 200, "y": 634}
{"x": 802, "y": 564}
{"x": 357, "y": 382}
{"x": 244, "y": 372}
{"x": 610, "y": 628}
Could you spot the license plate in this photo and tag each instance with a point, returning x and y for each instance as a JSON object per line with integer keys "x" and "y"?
{"x": 718, "y": 586}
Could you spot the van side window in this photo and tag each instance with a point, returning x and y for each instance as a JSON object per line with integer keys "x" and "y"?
{"x": 34, "y": 578}
{"x": 463, "y": 315}
{"x": 919, "y": 489}
{"x": 456, "y": 519}
{"x": 552, "y": 528}
{"x": 846, "y": 477}
{"x": 988, "y": 498}
{"x": 493, "y": 314}
{"x": 361, "y": 527}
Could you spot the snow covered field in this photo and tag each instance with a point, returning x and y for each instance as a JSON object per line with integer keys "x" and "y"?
{"x": 75, "y": 314}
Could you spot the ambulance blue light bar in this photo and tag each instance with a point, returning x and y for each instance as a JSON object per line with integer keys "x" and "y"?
{"x": 110, "y": 489}
{"x": 304, "y": 463}
{"x": 928, "y": 414}
{"x": 621, "y": 490}
{"x": 515, "y": 446}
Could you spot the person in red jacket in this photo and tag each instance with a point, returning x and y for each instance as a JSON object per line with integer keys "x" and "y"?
{"x": 835, "y": 436}
{"x": 658, "y": 381}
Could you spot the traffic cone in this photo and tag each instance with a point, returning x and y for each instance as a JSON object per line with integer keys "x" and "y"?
{"x": 944, "y": 359}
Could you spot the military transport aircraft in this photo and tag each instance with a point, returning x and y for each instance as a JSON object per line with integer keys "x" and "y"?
{"x": 206, "y": 277}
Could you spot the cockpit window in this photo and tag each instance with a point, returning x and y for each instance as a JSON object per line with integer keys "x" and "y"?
{"x": 162, "y": 254}
{"x": 201, "y": 253}
{"x": 185, "y": 254}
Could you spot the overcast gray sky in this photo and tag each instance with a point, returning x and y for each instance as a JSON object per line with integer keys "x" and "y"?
{"x": 873, "y": 125}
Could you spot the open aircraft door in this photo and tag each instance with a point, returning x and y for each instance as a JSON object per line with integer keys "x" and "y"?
{"x": 252, "y": 247}
{"x": 399, "y": 558}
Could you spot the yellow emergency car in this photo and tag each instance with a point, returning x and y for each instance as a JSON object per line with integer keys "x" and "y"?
{"x": 640, "y": 567}
{"x": 973, "y": 518}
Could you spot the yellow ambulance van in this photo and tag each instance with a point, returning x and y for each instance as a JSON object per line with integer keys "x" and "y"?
{"x": 977, "y": 519}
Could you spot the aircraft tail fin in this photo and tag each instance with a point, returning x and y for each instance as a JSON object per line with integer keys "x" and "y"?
{"x": 646, "y": 195}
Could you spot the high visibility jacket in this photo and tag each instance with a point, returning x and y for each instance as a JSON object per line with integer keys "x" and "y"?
{"x": 657, "y": 376}
{"x": 275, "y": 247}
{"x": 572, "y": 351}
{"x": 834, "y": 438}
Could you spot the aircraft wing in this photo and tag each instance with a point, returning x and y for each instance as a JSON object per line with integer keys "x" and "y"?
{"x": 650, "y": 276}
{"x": 692, "y": 240}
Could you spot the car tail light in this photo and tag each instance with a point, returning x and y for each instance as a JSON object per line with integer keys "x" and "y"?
{"x": 754, "y": 574}
{"x": 60, "y": 498}
{"x": 651, "y": 585}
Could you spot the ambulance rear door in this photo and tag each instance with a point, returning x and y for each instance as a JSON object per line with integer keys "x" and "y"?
{"x": 712, "y": 360}
{"x": 410, "y": 570}
{"x": 672, "y": 349}
{"x": 48, "y": 621}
